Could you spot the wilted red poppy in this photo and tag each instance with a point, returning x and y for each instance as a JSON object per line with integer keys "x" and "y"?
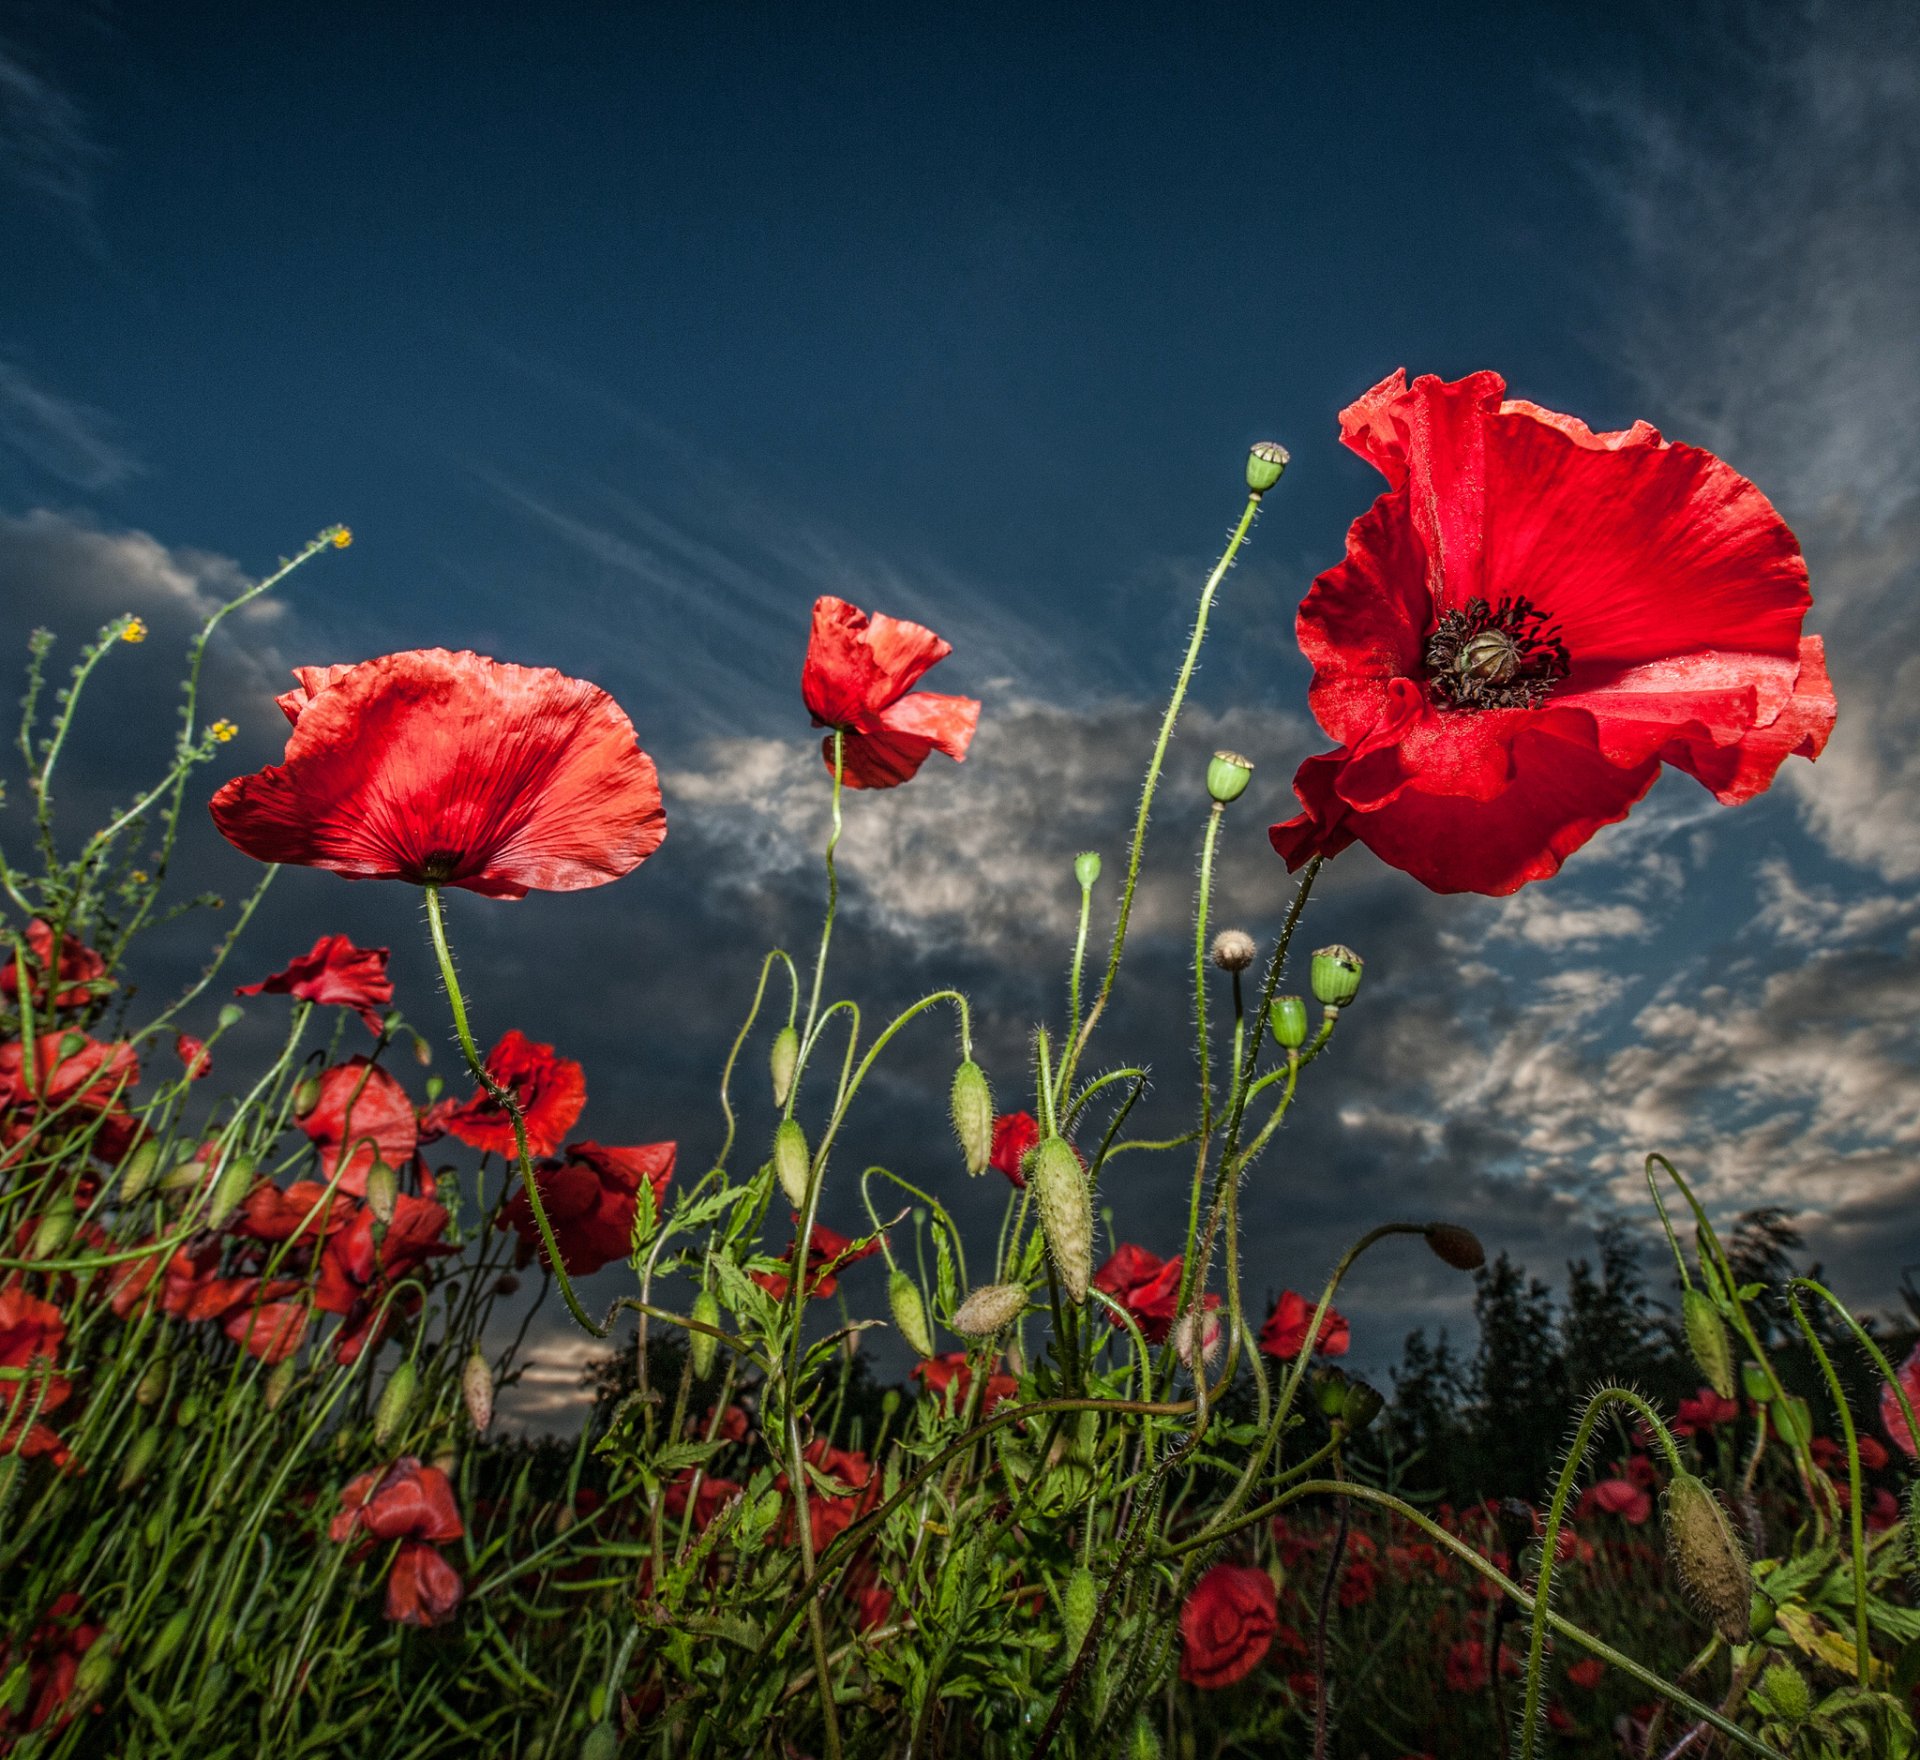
{"x": 77, "y": 967}
{"x": 30, "y": 1335}
{"x": 362, "y": 1115}
{"x": 552, "y": 1091}
{"x": 1528, "y": 623}
{"x": 334, "y": 973}
{"x": 1227, "y": 1625}
{"x": 422, "y": 1588}
{"x": 590, "y": 1195}
{"x": 937, "y": 1374}
{"x": 1892, "y": 1418}
{"x": 406, "y": 1502}
{"x": 271, "y": 1331}
{"x": 859, "y": 677}
{"x": 828, "y": 1254}
{"x": 194, "y": 1056}
{"x": 1286, "y": 1329}
{"x": 451, "y": 770}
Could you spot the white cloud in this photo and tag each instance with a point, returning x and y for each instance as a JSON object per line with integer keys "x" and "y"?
{"x": 64, "y": 439}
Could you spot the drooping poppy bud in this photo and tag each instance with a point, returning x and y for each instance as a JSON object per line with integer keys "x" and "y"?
{"x": 791, "y": 1162}
{"x": 139, "y": 1458}
{"x": 1086, "y": 869}
{"x": 1455, "y": 1246}
{"x": 1707, "y": 1556}
{"x": 703, "y": 1345}
{"x": 1336, "y": 975}
{"x": 137, "y": 1171}
{"x": 1707, "y": 1339}
{"x": 602, "y": 1743}
{"x": 972, "y": 1110}
{"x": 910, "y": 1312}
{"x": 1754, "y": 1383}
{"x": 383, "y": 1191}
{"x": 280, "y": 1383}
{"x": 988, "y": 1308}
{"x": 1078, "y": 1606}
{"x": 782, "y": 1060}
{"x": 1066, "y": 1212}
{"x": 1227, "y": 776}
{"x": 55, "y": 1229}
{"x": 152, "y": 1385}
{"x": 235, "y": 1181}
{"x": 161, "y": 1650}
{"x": 1266, "y": 464}
{"x": 476, "y": 1388}
{"x": 391, "y": 1411}
{"x": 306, "y": 1095}
{"x": 1233, "y": 950}
{"x": 1288, "y": 1018}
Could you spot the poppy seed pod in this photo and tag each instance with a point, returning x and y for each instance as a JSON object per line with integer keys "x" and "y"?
{"x": 1233, "y": 950}
{"x": 1086, "y": 869}
{"x": 152, "y": 1384}
{"x": 383, "y": 1191}
{"x": 988, "y": 1308}
{"x": 1266, "y": 463}
{"x": 1336, "y": 975}
{"x": 1227, "y": 776}
{"x": 1288, "y": 1018}
{"x": 781, "y": 1061}
{"x": 1066, "y": 1212}
{"x": 1708, "y": 1558}
{"x": 1077, "y": 1607}
{"x": 137, "y": 1171}
{"x": 476, "y": 1388}
{"x": 910, "y": 1312}
{"x": 972, "y": 1112}
{"x": 55, "y": 1229}
{"x": 1707, "y": 1339}
{"x": 791, "y": 1160}
{"x": 1455, "y": 1246}
{"x": 703, "y": 1345}
{"x": 391, "y": 1411}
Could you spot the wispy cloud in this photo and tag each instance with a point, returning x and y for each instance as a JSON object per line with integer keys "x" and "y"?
{"x": 46, "y": 148}
{"x": 66, "y": 440}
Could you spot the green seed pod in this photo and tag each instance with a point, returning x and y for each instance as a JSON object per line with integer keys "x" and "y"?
{"x": 1288, "y": 1017}
{"x": 1754, "y": 1384}
{"x": 1078, "y": 1606}
{"x": 1784, "y": 1687}
{"x": 1066, "y": 1212}
{"x": 989, "y": 1308}
{"x": 1455, "y": 1246}
{"x": 602, "y": 1743}
{"x": 791, "y": 1160}
{"x": 910, "y": 1312}
{"x": 395, "y": 1398}
{"x": 1086, "y": 869}
{"x": 1707, "y": 1339}
{"x": 1335, "y": 975}
{"x": 306, "y": 1095}
{"x": 972, "y": 1112}
{"x": 139, "y": 1459}
{"x": 137, "y": 1171}
{"x": 703, "y": 1345}
{"x": 231, "y": 1187}
{"x": 280, "y": 1382}
{"x": 383, "y": 1191}
{"x": 1707, "y": 1558}
{"x": 476, "y": 1388}
{"x": 1228, "y": 775}
{"x": 161, "y": 1650}
{"x": 56, "y": 1228}
{"x": 153, "y": 1383}
{"x": 1265, "y": 465}
{"x": 782, "y": 1061}
{"x": 155, "y": 1531}
{"x": 187, "y": 1413}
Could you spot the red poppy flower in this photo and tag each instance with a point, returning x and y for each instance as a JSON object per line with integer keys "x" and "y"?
{"x": 707, "y": 1502}
{"x": 77, "y": 1077}
{"x": 552, "y": 1091}
{"x": 1616, "y": 1497}
{"x": 271, "y": 1331}
{"x": 77, "y": 967}
{"x": 832, "y": 1512}
{"x": 1466, "y": 1665}
{"x": 30, "y": 1334}
{"x": 590, "y": 1196}
{"x": 1148, "y": 1287}
{"x": 334, "y": 973}
{"x": 362, "y": 1115}
{"x": 422, "y": 1588}
{"x": 1014, "y": 1134}
{"x": 1587, "y": 1672}
{"x": 406, "y": 1502}
{"x": 193, "y": 1056}
{"x": 859, "y": 677}
{"x": 1286, "y": 1329}
{"x": 1227, "y": 1625}
{"x": 1892, "y": 1419}
{"x": 52, "y": 1656}
{"x": 937, "y": 1374}
{"x": 1705, "y": 1411}
{"x": 828, "y": 1254}
{"x": 1528, "y": 623}
{"x": 302, "y": 1211}
{"x": 358, "y": 1264}
{"x": 453, "y": 770}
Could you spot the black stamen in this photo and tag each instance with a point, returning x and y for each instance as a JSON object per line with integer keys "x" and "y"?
{"x": 1494, "y": 657}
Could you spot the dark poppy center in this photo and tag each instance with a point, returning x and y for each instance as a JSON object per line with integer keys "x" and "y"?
{"x": 1494, "y": 657}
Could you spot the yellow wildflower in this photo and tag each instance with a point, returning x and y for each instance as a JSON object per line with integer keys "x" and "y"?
{"x": 223, "y": 730}
{"x": 135, "y": 630}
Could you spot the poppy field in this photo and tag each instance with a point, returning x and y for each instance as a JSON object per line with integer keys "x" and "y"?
{"x": 258, "y": 1502}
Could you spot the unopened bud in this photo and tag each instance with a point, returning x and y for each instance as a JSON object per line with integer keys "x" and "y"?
{"x": 436, "y": 1086}
{"x": 187, "y": 1413}
{"x": 1066, "y": 1212}
{"x": 383, "y": 1191}
{"x": 152, "y": 1385}
{"x": 55, "y": 1229}
{"x": 1144, "y": 1742}
{"x": 791, "y": 1162}
{"x": 1233, "y": 950}
{"x": 1707, "y": 1557}
{"x": 137, "y": 1171}
{"x": 989, "y": 1308}
{"x": 1455, "y": 1246}
{"x": 1086, "y": 869}
{"x": 229, "y": 1189}
{"x": 1207, "y": 1324}
{"x": 391, "y": 1411}
{"x": 1754, "y": 1383}
{"x": 782, "y": 1060}
{"x": 1265, "y": 465}
{"x": 138, "y": 1459}
{"x": 1078, "y": 1606}
{"x": 476, "y": 1388}
{"x": 280, "y": 1383}
{"x": 703, "y": 1346}
{"x": 160, "y": 1652}
{"x": 1762, "y": 1615}
{"x": 1793, "y": 1418}
{"x": 602, "y": 1743}
{"x": 1364, "y": 1404}
{"x": 1228, "y": 775}
{"x": 1785, "y": 1689}
{"x": 910, "y": 1312}
{"x": 1707, "y": 1339}
{"x": 91, "y": 1676}
{"x": 1336, "y": 975}
{"x": 1288, "y": 1018}
{"x": 1330, "y": 1390}
{"x": 972, "y": 1112}
{"x": 231, "y": 1016}
{"x": 306, "y": 1095}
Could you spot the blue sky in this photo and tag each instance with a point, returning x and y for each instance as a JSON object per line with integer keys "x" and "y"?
{"x": 619, "y": 333}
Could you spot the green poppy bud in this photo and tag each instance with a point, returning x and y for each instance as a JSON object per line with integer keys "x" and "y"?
{"x": 791, "y": 1162}
{"x": 1336, "y": 975}
{"x": 137, "y": 1171}
{"x": 1455, "y": 1246}
{"x": 139, "y": 1459}
{"x": 1708, "y": 1558}
{"x": 988, "y": 1308}
{"x": 1330, "y": 1391}
{"x": 383, "y": 1191}
{"x": 476, "y": 1388}
{"x": 1762, "y": 1615}
{"x": 972, "y": 1112}
{"x": 910, "y": 1312}
{"x": 1228, "y": 775}
{"x": 306, "y": 1095}
{"x": 436, "y": 1086}
{"x": 153, "y": 1383}
{"x": 236, "y": 1179}
{"x": 1144, "y": 1742}
{"x": 703, "y": 1345}
{"x": 602, "y": 1743}
{"x": 1754, "y": 1383}
{"x": 187, "y": 1413}
{"x": 1794, "y": 1421}
{"x": 1078, "y": 1606}
{"x": 56, "y": 1228}
{"x": 1364, "y": 1404}
{"x": 1784, "y": 1687}
{"x": 1288, "y": 1018}
{"x": 782, "y": 1061}
{"x": 1266, "y": 463}
{"x": 280, "y": 1383}
{"x": 1066, "y": 1212}
{"x": 1086, "y": 869}
{"x": 391, "y": 1411}
{"x": 1707, "y": 1339}
{"x": 161, "y": 1650}
{"x": 90, "y": 1678}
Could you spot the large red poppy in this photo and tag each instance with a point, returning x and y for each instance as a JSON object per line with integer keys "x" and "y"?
{"x": 1527, "y": 624}
{"x": 1226, "y": 1625}
{"x": 76, "y": 1080}
{"x": 1148, "y": 1287}
{"x": 333, "y": 973}
{"x": 1286, "y": 1329}
{"x": 362, "y": 1115}
{"x": 552, "y": 1090}
{"x": 453, "y": 770}
{"x": 859, "y": 677}
{"x": 590, "y": 1195}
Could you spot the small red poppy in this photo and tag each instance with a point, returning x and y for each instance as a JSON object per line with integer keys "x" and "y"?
{"x": 590, "y": 1196}
{"x": 1706, "y": 1410}
{"x": 333, "y": 973}
{"x": 828, "y": 1254}
{"x": 1286, "y": 1329}
{"x": 937, "y": 1374}
{"x": 31, "y": 1332}
{"x": 1528, "y": 623}
{"x": 859, "y": 677}
{"x": 1147, "y": 1286}
{"x": 1227, "y": 1625}
{"x": 362, "y": 1115}
{"x": 193, "y": 1055}
{"x": 77, "y": 967}
{"x": 453, "y": 770}
{"x": 1616, "y": 1497}
{"x": 552, "y": 1091}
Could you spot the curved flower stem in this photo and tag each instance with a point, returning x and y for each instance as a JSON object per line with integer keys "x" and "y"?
{"x": 1856, "y": 1533}
{"x": 508, "y": 1101}
{"x": 740, "y": 1039}
{"x": 1071, "y": 1056}
{"x": 1243, "y": 1079}
{"x": 1550, "y": 1537}
{"x": 1203, "y": 899}
{"x": 826, "y": 927}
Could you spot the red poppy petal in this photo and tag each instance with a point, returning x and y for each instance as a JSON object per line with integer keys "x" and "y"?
{"x": 1322, "y": 829}
{"x": 902, "y": 654}
{"x": 877, "y": 760}
{"x": 946, "y": 723}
